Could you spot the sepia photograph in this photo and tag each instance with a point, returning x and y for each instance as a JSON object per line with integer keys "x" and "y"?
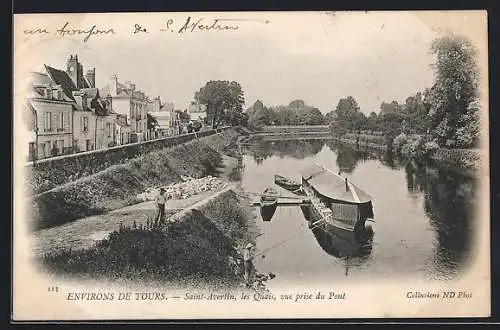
{"x": 228, "y": 165}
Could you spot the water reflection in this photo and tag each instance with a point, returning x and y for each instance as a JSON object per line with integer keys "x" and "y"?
{"x": 442, "y": 205}
{"x": 299, "y": 149}
{"x": 449, "y": 202}
{"x": 349, "y": 156}
{"x": 353, "y": 250}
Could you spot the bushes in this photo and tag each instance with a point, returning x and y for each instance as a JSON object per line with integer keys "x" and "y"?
{"x": 199, "y": 247}
{"x": 467, "y": 159}
{"x": 414, "y": 146}
{"x": 399, "y": 141}
{"x": 421, "y": 147}
{"x": 194, "y": 248}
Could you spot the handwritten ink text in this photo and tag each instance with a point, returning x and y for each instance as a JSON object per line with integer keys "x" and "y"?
{"x": 65, "y": 30}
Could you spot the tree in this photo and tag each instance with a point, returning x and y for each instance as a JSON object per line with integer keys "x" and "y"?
{"x": 454, "y": 109}
{"x": 330, "y": 117}
{"x": 372, "y": 121}
{"x": 183, "y": 115}
{"x": 286, "y": 116}
{"x": 346, "y": 116}
{"x": 297, "y": 104}
{"x": 346, "y": 108}
{"x": 314, "y": 117}
{"x": 390, "y": 107}
{"x": 223, "y": 100}
{"x": 416, "y": 114}
{"x": 390, "y": 124}
{"x": 259, "y": 115}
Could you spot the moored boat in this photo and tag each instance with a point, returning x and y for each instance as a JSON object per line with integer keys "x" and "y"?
{"x": 287, "y": 184}
{"x": 268, "y": 203}
{"x": 336, "y": 204}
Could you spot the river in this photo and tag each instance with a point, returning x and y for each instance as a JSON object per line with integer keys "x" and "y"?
{"x": 424, "y": 217}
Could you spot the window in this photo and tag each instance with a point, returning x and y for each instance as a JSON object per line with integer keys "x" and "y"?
{"x": 55, "y": 148}
{"x": 108, "y": 127}
{"x": 60, "y": 144}
{"x": 87, "y": 145}
{"x": 85, "y": 124}
{"x": 48, "y": 121}
{"x": 61, "y": 122}
{"x": 41, "y": 148}
{"x": 59, "y": 95}
{"x": 31, "y": 151}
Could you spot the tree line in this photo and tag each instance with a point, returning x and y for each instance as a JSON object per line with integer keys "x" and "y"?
{"x": 448, "y": 111}
{"x": 295, "y": 113}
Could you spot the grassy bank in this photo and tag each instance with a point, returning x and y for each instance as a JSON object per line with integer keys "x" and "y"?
{"x": 375, "y": 140}
{"x": 420, "y": 148}
{"x": 201, "y": 248}
{"x": 424, "y": 148}
{"x": 119, "y": 185}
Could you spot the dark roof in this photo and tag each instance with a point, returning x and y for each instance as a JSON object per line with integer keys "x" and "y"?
{"x": 62, "y": 78}
{"x": 333, "y": 186}
{"x": 86, "y": 83}
{"x": 39, "y": 78}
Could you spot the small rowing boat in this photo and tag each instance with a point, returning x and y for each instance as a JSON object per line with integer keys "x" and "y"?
{"x": 268, "y": 203}
{"x": 286, "y": 183}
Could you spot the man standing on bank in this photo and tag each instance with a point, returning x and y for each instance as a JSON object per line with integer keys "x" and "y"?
{"x": 247, "y": 262}
{"x": 160, "y": 200}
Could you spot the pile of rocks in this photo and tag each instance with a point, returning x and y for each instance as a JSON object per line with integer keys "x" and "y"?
{"x": 181, "y": 190}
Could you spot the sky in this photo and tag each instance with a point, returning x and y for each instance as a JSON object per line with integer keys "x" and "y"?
{"x": 317, "y": 57}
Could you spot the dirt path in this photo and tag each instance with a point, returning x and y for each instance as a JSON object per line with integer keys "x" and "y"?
{"x": 85, "y": 232}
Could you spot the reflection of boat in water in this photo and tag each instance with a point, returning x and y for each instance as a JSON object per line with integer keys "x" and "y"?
{"x": 351, "y": 248}
{"x": 344, "y": 246}
{"x": 268, "y": 203}
{"x": 336, "y": 204}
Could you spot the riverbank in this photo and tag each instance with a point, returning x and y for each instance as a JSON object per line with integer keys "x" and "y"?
{"x": 469, "y": 162}
{"x": 200, "y": 246}
{"x": 118, "y": 185}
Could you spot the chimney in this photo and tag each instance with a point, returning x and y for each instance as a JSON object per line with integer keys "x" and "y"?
{"x": 113, "y": 85}
{"x": 75, "y": 71}
{"x": 91, "y": 77}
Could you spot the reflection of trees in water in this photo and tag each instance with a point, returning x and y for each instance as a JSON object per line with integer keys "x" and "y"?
{"x": 449, "y": 202}
{"x": 349, "y": 156}
{"x": 299, "y": 149}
